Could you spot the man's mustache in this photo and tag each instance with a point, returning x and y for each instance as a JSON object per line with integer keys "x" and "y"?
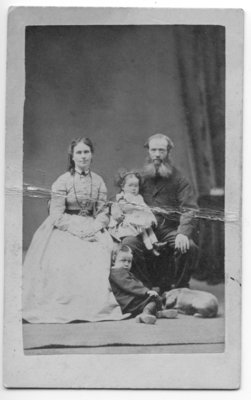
{"x": 157, "y": 161}
{"x": 157, "y": 167}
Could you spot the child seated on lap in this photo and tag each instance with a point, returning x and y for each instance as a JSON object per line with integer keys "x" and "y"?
{"x": 138, "y": 218}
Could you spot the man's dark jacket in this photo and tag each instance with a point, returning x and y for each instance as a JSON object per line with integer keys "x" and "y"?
{"x": 175, "y": 196}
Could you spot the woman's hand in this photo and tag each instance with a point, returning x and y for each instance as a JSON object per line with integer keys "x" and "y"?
{"x": 91, "y": 231}
{"x": 90, "y": 239}
{"x": 85, "y": 228}
{"x": 87, "y": 234}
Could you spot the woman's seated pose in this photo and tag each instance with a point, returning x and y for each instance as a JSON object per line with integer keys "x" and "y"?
{"x": 66, "y": 269}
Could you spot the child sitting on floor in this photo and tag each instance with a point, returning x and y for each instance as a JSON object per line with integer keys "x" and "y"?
{"x": 138, "y": 218}
{"x": 132, "y": 296}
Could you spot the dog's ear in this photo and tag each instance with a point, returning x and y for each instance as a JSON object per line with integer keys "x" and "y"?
{"x": 170, "y": 299}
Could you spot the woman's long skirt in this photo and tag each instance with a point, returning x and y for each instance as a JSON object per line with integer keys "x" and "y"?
{"x": 66, "y": 278}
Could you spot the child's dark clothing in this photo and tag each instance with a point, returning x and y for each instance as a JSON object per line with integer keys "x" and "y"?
{"x": 131, "y": 294}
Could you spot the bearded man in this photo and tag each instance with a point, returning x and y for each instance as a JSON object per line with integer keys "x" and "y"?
{"x": 172, "y": 199}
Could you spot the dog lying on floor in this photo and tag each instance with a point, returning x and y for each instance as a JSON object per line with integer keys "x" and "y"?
{"x": 191, "y": 302}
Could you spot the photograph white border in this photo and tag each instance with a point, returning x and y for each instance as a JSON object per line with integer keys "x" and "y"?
{"x": 122, "y": 371}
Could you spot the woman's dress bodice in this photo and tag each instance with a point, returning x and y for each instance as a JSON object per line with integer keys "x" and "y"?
{"x": 73, "y": 192}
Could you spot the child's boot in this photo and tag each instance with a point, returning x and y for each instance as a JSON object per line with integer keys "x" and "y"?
{"x": 146, "y": 319}
{"x": 172, "y": 313}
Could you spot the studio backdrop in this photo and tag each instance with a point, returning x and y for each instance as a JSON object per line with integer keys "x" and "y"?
{"x": 118, "y": 85}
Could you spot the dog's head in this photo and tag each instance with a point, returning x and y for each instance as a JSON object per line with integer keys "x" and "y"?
{"x": 169, "y": 299}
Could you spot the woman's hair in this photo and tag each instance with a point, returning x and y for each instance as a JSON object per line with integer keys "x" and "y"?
{"x": 123, "y": 175}
{"x": 74, "y": 143}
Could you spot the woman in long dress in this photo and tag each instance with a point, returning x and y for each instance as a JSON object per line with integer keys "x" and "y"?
{"x": 66, "y": 269}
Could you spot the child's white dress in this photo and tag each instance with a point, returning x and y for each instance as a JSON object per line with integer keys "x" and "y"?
{"x": 137, "y": 216}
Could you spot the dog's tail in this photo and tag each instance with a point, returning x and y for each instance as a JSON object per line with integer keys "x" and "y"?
{"x": 206, "y": 313}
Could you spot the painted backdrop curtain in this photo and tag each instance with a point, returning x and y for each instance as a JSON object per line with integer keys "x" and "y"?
{"x": 201, "y": 65}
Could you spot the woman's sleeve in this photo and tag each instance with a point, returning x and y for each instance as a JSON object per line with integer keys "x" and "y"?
{"x": 102, "y": 216}
{"x": 102, "y": 196}
{"x": 59, "y": 218}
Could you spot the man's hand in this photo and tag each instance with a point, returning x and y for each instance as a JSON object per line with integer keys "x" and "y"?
{"x": 182, "y": 243}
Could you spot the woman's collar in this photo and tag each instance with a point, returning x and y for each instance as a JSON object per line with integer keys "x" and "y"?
{"x": 80, "y": 172}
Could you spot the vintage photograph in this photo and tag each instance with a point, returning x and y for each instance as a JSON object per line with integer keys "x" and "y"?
{"x": 124, "y": 156}
{"x": 124, "y": 189}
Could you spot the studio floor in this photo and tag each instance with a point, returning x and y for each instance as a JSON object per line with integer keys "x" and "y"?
{"x": 185, "y": 334}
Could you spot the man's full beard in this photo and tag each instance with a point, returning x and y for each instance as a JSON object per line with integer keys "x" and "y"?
{"x": 157, "y": 168}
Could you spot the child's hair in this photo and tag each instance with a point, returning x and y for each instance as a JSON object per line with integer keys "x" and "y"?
{"x": 121, "y": 248}
{"x": 123, "y": 174}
